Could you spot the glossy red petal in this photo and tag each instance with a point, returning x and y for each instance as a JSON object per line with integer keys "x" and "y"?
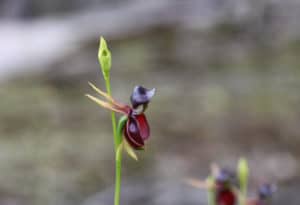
{"x": 226, "y": 197}
{"x": 143, "y": 126}
{"x": 132, "y": 133}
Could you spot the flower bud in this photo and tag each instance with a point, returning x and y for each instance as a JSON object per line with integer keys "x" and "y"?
{"x": 104, "y": 58}
{"x": 243, "y": 174}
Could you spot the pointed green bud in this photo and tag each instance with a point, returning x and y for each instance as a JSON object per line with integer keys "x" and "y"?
{"x": 104, "y": 57}
{"x": 243, "y": 174}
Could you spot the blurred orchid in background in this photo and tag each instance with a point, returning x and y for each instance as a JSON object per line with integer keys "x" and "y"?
{"x": 219, "y": 185}
{"x": 222, "y": 189}
{"x": 264, "y": 194}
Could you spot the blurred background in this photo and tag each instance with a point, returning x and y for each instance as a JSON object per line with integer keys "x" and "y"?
{"x": 227, "y": 76}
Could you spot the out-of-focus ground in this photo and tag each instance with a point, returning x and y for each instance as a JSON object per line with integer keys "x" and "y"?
{"x": 227, "y": 78}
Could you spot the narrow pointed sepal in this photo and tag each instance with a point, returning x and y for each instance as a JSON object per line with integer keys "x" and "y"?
{"x": 104, "y": 104}
{"x": 197, "y": 183}
{"x": 130, "y": 151}
{"x": 124, "y": 108}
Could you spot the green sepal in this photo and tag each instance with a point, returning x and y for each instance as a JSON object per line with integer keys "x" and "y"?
{"x": 121, "y": 124}
{"x": 123, "y": 143}
{"x": 130, "y": 151}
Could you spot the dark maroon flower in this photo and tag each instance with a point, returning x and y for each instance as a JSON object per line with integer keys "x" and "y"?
{"x": 136, "y": 130}
{"x": 224, "y": 192}
{"x": 225, "y": 197}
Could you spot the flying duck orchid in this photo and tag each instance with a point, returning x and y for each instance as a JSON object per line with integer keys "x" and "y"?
{"x": 132, "y": 125}
{"x": 136, "y": 130}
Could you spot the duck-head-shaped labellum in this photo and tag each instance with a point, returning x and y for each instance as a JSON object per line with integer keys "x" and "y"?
{"x": 141, "y": 97}
{"x": 224, "y": 177}
{"x": 136, "y": 130}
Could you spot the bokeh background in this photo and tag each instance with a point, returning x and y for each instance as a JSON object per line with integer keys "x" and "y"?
{"x": 227, "y": 77}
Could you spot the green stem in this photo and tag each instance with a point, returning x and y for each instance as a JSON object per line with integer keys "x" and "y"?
{"x": 243, "y": 174}
{"x": 121, "y": 124}
{"x": 244, "y": 194}
{"x": 113, "y": 116}
{"x": 211, "y": 197}
{"x": 242, "y": 199}
{"x": 117, "y": 142}
{"x": 118, "y": 178}
{"x": 211, "y": 192}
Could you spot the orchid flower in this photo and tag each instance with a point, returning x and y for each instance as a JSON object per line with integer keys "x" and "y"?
{"x": 136, "y": 130}
{"x": 219, "y": 185}
{"x": 264, "y": 194}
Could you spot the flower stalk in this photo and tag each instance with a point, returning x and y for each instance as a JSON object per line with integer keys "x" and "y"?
{"x": 120, "y": 127}
{"x": 104, "y": 57}
{"x": 211, "y": 192}
{"x": 243, "y": 174}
